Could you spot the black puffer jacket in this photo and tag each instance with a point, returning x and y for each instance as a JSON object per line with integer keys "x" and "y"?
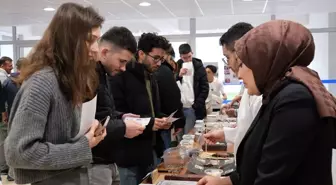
{"x": 170, "y": 94}
{"x": 104, "y": 152}
{"x": 130, "y": 94}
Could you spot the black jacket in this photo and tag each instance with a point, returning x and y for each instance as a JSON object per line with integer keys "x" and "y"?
{"x": 287, "y": 144}
{"x": 201, "y": 86}
{"x": 130, "y": 94}
{"x": 170, "y": 94}
{"x": 104, "y": 152}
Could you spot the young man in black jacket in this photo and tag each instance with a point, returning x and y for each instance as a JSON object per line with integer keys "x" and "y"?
{"x": 194, "y": 86}
{"x": 170, "y": 95}
{"x": 116, "y": 49}
{"x": 136, "y": 91}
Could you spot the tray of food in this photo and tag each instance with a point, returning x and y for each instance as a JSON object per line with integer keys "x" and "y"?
{"x": 215, "y": 147}
{"x": 176, "y": 182}
{"x": 208, "y": 160}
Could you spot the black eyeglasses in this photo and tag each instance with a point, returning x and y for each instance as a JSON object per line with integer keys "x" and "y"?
{"x": 156, "y": 59}
{"x": 225, "y": 61}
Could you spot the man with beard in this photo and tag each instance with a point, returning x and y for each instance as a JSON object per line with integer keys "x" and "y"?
{"x": 116, "y": 49}
{"x": 136, "y": 91}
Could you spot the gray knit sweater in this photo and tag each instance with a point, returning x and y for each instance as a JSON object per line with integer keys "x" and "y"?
{"x": 42, "y": 124}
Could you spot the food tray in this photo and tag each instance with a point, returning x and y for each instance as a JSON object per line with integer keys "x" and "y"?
{"x": 197, "y": 165}
{"x": 172, "y": 182}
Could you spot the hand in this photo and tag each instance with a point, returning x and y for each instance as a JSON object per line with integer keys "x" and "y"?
{"x": 183, "y": 72}
{"x": 231, "y": 112}
{"x": 236, "y": 99}
{"x": 94, "y": 140}
{"x": 177, "y": 131}
{"x": 130, "y": 115}
{"x": 209, "y": 180}
{"x": 167, "y": 124}
{"x": 214, "y": 136}
{"x": 133, "y": 129}
{"x": 160, "y": 123}
{"x": 5, "y": 118}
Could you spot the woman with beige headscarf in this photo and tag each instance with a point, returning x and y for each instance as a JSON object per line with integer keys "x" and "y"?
{"x": 290, "y": 141}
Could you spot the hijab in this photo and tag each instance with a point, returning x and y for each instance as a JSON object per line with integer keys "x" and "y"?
{"x": 281, "y": 49}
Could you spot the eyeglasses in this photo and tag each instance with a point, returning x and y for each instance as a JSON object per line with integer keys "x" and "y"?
{"x": 225, "y": 61}
{"x": 156, "y": 59}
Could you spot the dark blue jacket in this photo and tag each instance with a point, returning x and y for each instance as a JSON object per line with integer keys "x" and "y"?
{"x": 9, "y": 91}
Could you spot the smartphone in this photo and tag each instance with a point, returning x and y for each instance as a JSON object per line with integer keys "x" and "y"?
{"x": 102, "y": 127}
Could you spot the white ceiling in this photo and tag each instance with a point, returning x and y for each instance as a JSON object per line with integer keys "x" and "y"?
{"x": 167, "y": 15}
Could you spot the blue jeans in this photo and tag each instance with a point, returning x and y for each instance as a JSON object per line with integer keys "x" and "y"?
{"x": 190, "y": 116}
{"x": 133, "y": 175}
{"x": 166, "y": 137}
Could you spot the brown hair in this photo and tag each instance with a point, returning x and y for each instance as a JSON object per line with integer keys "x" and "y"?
{"x": 64, "y": 47}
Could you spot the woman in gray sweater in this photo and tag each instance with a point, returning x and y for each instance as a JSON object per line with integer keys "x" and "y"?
{"x": 57, "y": 78}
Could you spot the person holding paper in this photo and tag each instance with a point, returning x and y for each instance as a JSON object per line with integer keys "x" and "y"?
{"x": 116, "y": 48}
{"x": 57, "y": 78}
{"x": 136, "y": 91}
{"x": 170, "y": 96}
{"x": 194, "y": 87}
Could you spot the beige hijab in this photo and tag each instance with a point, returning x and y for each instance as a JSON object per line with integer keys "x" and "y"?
{"x": 279, "y": 49}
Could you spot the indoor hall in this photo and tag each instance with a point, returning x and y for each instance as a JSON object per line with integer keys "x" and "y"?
{"x": 200, "y": 23}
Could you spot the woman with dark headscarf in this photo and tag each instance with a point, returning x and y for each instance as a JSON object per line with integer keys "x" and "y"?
{"x": 290, "y": 141}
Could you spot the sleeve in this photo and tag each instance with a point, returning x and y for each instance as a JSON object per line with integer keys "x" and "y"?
{"x": 25, "y": 146}
{"x": 203, "y": 87}
{"x": 234, "y": 177}
{"x": 289, "y": 138}
{"x": 121, "y": 104}
{"x": 3, "y": 95}
{"x": 230, "y": 134}
{"x": 105, "y": 107}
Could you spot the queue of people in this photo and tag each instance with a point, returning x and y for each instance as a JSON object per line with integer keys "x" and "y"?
{"x": 284, "y": 109}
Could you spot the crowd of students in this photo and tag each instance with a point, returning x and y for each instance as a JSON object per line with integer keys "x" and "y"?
{"x": 280, "y": 117}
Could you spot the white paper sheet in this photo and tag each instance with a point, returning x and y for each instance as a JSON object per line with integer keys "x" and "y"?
{"x": 87, "y": 116}
{"x": 142, "y": 121}
{"x": 171, "y": 118}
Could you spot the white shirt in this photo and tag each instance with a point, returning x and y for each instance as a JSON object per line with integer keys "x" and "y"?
{"x": 3, "y": 75}
{"x": 187, "y": 86}
{"x": 216, "y": 90}
{"x": 248, "y": 109}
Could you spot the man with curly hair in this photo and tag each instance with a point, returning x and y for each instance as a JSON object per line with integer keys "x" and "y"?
{"x": 136, "y": 91}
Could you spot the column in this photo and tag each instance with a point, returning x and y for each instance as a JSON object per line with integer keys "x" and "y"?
{"x": 192, "y": 36}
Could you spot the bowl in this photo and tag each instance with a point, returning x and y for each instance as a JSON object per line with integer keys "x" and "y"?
{"x": 188, "y": 137}
{"x": 214, "y": 172}
{"x": 174, "y": 157}
{"x": 199, "y": 122}
{"x": 199, "y": 128}
{"x": 188, "y": 144}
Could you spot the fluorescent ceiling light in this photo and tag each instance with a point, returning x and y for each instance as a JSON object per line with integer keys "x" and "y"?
{"x": 247, "y": 0}
{"x": 49, "y": 9}
{"x": 144, "y": 4}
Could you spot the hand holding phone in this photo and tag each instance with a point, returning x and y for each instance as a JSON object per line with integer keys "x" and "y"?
{"x": 101, "y": 127}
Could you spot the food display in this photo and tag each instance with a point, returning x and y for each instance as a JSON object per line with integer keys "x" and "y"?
{"x": 207, "y": 160}
{"x": 170, "y": 182}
